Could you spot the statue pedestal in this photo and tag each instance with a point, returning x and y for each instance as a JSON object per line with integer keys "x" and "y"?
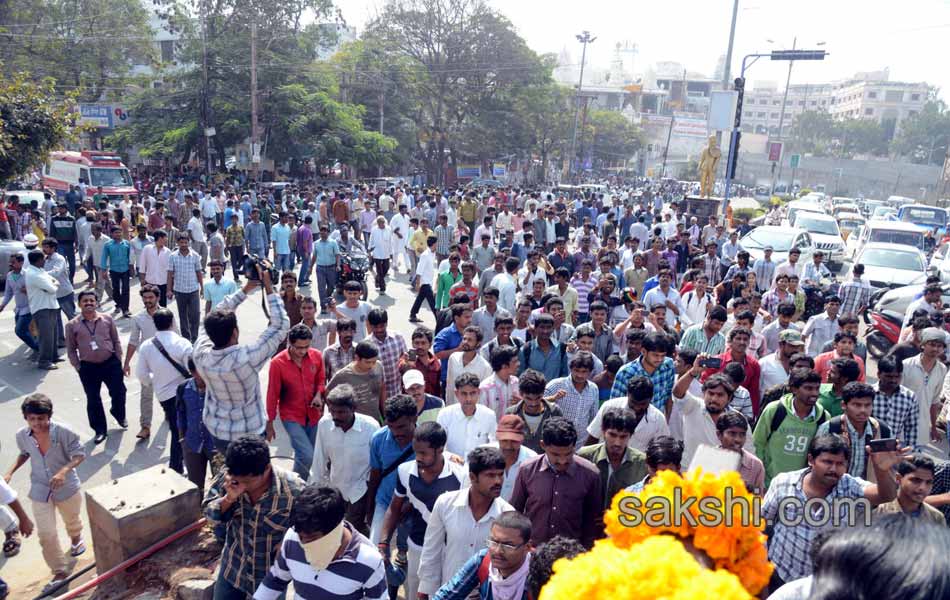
{"x": 702, "y": 208}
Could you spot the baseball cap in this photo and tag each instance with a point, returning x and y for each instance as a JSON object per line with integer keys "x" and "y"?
{"x": 933, "y": 334}
{"x": 413, "y": 377}
{"x": 510, "y": 427}
{"x": 791, "y": 336}
{"x": 769, "y": 247}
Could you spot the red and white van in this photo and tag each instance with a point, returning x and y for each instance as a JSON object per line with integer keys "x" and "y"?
{"x": 96, "y": 169}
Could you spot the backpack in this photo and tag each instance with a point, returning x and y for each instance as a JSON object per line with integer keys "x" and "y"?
{"x": 878, "y": 429}
{"x": 781, "y": 412}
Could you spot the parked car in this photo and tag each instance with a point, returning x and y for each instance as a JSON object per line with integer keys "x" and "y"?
{"x": 792, "y": 209}
{"x": 782, "y": 239}
{"x": 825, "y": 234}
{"x": 899, "y": 299}
{"x": 883, "y": 212}
{"x": 849, "y": 222}
{"x": 893, "y": 232}
{"x": 892, "y": 265}
{"x": 7, "y": 249}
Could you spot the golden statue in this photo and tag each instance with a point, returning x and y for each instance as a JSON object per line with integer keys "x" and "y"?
{"x": 708, "y": 161}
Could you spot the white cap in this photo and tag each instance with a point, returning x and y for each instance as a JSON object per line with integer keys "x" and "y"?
{"x": 412, "y": 377}
{"x": 30, "y": 240}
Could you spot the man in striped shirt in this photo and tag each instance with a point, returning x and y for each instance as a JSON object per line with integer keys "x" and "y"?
{"x": 324, "y": 555}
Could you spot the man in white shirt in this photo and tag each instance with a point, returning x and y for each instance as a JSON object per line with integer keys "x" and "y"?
{"x": 665, "y": 295}
{"x": 425, "y": 278}
{"x": 924, "y": 375}
{"x": 41, "y": 291}
{"x": 399, "y": 225}
{"x": 696, "y": 303}
{"x": 821, "y": 328}
{"x": 153, "y": 265}
{"x": 775, "y": 367}
{"x": 460, "y": 521}
{"x": 510, "y": 440}
{"x": 651, "y": 422}
{"x": 467, "y": 423}
{"x": 196, "y": 232}
{"x": 700, "y": 414}
{"x": 340, "y": 456}
{"x": 162, "y": 365}
{"x": 507, "y": 285}
{"x": 380, "y": 247}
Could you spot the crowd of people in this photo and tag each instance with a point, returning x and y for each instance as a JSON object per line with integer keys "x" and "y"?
{"x": 578, "y": 346}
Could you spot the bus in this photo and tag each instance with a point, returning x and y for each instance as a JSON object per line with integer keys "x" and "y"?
{"x": 96, "y": 169}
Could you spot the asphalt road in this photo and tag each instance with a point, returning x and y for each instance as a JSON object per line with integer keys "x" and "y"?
{"x": 122, "y": 454}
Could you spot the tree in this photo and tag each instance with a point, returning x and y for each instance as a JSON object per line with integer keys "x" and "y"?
{"x": 812, "y": 132}
{"x": 32, "y": 123}
{"x": 924, "y": 137}
{"x": 615, "y": 138}
{"x": 466, "y": 58}
{"x": 86, "y": 45}
{"x": 545, "y": 112}
{"x": 860, "y": 136}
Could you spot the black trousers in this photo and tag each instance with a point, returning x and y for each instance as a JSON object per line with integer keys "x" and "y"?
{"x": 237, "y": 261}
{"x": 382, "y": 269}
{"x": 176, "y": 457}
{"x": 120, "y": 289}
{"x": 425, "y": 293}
{"x": 92, "y": 376}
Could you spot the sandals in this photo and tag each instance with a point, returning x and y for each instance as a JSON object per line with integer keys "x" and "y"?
{"x": 11, "y": 546}
{"x": 77, "y": 549}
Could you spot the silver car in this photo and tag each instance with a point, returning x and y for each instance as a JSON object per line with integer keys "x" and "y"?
{"x": 899, "y": 299}
{"x": 781, "y": 239}
{"x": 7, "y": 249}
{"x": 892, "y": 265}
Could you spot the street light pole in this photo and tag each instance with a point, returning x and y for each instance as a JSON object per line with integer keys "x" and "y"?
{"x": 781, "y": 123}
{"x": 584, "y": 39}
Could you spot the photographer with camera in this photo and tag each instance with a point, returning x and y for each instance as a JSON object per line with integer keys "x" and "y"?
{"x": 233, "y": 406}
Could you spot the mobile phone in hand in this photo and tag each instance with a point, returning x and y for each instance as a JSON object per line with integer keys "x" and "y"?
{"x": 883, "y": 445}
{"x": 711, "y": 363}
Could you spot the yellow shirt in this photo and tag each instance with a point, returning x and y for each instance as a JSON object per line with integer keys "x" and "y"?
{"x": 418, "y": 240}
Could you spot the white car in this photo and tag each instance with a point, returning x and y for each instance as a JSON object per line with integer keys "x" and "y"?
{"x": 892, "y": 265}
{"x": 825, "y": 234}
{"x": 782, "y": 239}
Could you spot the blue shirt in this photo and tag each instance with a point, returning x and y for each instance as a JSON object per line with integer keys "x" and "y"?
{"x": 280, "y": 236}
{"x": 256, "y": 236}
{"x": 553, "y": 364}
{"x": 384, "y": 451}
{"x": 448, "y": 338}
{"x": 115, "y": 256}
{"x": 216, "y": 291}
{"x": 325, "y": 252}
{"x": 663, "y": 378}
{"x": 466, "y": 580}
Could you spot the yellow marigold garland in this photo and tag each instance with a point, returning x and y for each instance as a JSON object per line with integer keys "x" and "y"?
{"x": 659, "y": 567}
{"x": 738, "y": 548}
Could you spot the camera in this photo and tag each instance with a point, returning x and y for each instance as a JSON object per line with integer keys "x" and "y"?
{"x": 711, "y": 362}
{"x": 252, "y": 261}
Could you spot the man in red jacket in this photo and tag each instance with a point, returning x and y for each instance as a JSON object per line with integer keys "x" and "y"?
{"x": 736, "y": 352}
{"x": 296, "y": 388}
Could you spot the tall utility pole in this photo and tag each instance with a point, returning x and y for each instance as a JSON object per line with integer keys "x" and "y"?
{"x": 727, "y": 67}
{"x": 206, "y": 101}
{"x": 584, "y": 38}
{"x": 781, "y": 123}
{"x": 255, "y": 149}
{"x": 669, "y": 133}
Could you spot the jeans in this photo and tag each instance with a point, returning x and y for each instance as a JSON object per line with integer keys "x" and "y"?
{"x": 22, "y": 331}
{"x": 189, "y": 314}
{"x": 225, "y": 591}
{"x": 304, "y": 277}
{"x": 46, "y": 326}
{"x": 237, "y": 261}
{"x": 44, "y": 515}
{"x": 92, "y": 376}
{"x": 162, "y": 297}
{"x": 302, "y": 439}
{"x": 282, "y": 262}
{"x": 67, "y": 308}
{"x": 120, "y": 289}
{"x": 68, "y": 251}
{"x": 425, "y": 293}
{"x": 326, "y": 284}
{"x": 175, "y": 459}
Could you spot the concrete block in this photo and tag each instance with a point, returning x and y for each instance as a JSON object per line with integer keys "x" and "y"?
{"x": 130, "y": 514}
{"x": 196, "y": 589}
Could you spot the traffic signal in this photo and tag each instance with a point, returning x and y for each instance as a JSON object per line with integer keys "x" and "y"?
{"x": 740, "y": 88}
{"x": 734, "y": 155}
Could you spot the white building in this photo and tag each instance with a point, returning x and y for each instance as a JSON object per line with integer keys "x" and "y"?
{"x": 865, "y": 96}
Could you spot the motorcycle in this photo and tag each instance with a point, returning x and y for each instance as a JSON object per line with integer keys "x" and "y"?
{"x": 815, "y": 296}
{"x": 353, "y": 267}
{"x": 883, "y": 332}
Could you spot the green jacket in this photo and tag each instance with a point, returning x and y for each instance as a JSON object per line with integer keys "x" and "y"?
{"x": 444, "y": 283}
{"x": 781, "y": 442}
{"x": 631, "y": 470}
{"x": 828, "y": 400}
